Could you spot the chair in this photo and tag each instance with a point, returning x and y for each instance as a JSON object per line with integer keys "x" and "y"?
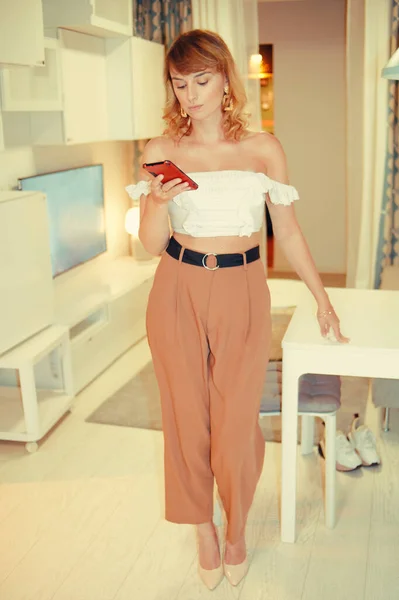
{"x": 319, "y": 396}
{"x": 386, "y": 395}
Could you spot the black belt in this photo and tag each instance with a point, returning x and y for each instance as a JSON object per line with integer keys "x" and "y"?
{"x": 222, "y": 260}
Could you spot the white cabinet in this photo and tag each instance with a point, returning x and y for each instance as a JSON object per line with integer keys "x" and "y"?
{"x": 26, "y": 284}
{"x": 1, "y": 133}
{"x": 33, "y": 88}
{"x": 135, "y": 88}
{"x": 21, "y": 32}
{"x": 103, "y": 18}
{"x": 84, "y": 85}
{"x": 69, "y": 105}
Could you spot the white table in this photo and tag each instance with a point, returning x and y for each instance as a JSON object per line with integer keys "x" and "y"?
{"x": 370, "y": 318}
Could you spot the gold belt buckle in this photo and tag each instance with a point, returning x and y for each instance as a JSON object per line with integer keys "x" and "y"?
{"x": 204, "y": 259}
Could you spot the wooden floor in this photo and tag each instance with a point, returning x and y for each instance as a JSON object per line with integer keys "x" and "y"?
{"x": 82, "y": 520}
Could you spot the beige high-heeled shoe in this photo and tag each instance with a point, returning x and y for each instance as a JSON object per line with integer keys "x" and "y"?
{"x": 210, "y": 577}
{"x": 236, "y": 573}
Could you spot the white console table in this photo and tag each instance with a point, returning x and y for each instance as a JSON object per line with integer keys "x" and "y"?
{"x": 44, "y": 394}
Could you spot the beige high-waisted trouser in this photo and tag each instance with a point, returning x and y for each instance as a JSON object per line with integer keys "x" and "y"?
{"x": 210, "y": 333}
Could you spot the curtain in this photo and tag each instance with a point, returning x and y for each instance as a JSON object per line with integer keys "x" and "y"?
{"x": 366, "y": 141}
{"x": 388, "y": 244}
{"x": 161, "y": 20}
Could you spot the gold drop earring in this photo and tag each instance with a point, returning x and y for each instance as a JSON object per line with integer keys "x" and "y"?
{"x": 227, "y": 100}
{"x": 185, "y": 115}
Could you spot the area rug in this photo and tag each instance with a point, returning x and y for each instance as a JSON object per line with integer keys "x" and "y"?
{"x": 137, "y": 403}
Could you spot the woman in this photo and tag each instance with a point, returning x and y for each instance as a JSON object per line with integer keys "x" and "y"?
{"x": 208, "y": 315}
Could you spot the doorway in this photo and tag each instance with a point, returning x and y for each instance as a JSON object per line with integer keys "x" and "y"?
{"x": 267, "y": 117}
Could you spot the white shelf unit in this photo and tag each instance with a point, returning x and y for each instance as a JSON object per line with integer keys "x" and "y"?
{"x": 26, "y": 284}
{"x": 102, "y": 18}
{"x": 135, "y": 88}
{"x": 33, "y": 88}
{"x": 29, "y": 410}
{"x": 75, "y": 95}
{"x": 21, "y": 32}
{"x": 105, "y": 316}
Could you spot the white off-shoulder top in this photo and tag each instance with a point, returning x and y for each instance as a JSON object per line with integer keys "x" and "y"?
{"x": 226, "y": 203}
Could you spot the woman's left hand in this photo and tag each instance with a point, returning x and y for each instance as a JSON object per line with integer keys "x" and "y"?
{"x": 328, "y": 320}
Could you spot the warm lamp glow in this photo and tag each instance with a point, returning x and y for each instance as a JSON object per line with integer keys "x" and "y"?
{"x": 258, "y": 69}
{"x": 256, "y": 59}
{"x": 132, "y": 221}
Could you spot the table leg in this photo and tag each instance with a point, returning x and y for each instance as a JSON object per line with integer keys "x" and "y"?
{"x": 29, "y": 401}
{"x": 330, "y": 466}
{"x": 289, "y": 414}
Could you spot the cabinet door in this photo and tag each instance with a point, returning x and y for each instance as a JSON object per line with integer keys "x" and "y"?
{"x": 33, "y": 88}
{"x": 84, "y": 87}
{"x": 26, "y": 284}
{"x": 21, "y": 32}
{"x": 148, "y": 91}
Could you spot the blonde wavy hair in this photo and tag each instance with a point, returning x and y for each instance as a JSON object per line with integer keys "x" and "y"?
{"x": 195, "y": 51}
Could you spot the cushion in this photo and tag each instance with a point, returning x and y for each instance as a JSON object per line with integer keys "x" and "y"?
{"x": 316, "y": 393}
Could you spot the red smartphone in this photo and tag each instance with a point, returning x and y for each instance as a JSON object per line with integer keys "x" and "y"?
{"x": 170, "y": 171}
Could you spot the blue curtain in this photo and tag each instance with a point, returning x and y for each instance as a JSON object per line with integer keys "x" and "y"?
{"x": 388, "y": 245}
{"x": 161, "y": 20}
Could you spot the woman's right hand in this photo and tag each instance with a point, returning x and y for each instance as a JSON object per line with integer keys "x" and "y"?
{"x": 163, "y": 193}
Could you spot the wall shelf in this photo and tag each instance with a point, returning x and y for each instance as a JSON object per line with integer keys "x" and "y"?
{"x": 33, "y": 88}
{"x": 102, "y": 18}
{"x": 72, "y": 107}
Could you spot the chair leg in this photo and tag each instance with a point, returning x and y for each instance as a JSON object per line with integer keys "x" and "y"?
{"x": 386, "y": 419}
{"x": 330, "y": 466}
{"x": 307, "y": 439}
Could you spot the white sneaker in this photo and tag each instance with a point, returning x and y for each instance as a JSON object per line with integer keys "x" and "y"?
{"x": 363, "y": 441}
{"x": 346, "y": 457}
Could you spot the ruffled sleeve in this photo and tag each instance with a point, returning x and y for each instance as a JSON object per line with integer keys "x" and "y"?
{"x": 279, "y": 193}
{"x": 136, "y": 190}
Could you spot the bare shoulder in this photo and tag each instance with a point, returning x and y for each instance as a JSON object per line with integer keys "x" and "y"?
{"x": 264, "y": 143}
{"x": 269, "y": 151}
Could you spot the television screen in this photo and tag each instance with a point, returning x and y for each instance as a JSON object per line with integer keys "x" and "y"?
{"x": 75, "y": 204}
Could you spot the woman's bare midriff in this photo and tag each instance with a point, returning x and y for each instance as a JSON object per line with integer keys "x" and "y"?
{"x": 220, "y": 244}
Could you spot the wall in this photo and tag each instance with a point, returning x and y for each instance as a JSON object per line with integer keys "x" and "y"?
{"x": 309, "y": 94}
{"x": 355, "y": 137}
{"x": 117, "y": 160}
